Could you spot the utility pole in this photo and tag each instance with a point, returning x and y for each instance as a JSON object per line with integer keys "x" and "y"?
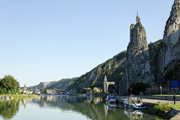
{"x": 174, "y": 80}
{"x": 161, "y": 90}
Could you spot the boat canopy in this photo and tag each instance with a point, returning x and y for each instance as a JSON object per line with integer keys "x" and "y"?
{"x": 132, "y": 100}
{"x": 111, "y": 97}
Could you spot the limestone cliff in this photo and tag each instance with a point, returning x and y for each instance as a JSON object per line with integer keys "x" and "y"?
{"x": 41, "y": 85}
{"x": 61, "y": 84}
{"x": 112, "y": 68}
{"x": 169, "y": 51}
{"x": 137, "y": 66}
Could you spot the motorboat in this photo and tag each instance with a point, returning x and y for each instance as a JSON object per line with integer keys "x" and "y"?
{"x": 134, "y": 103}
{"x": 110, "y": 100}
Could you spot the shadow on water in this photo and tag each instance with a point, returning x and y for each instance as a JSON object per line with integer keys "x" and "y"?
{"x": 93, "y": 108}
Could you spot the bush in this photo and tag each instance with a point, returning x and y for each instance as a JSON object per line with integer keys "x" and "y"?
{"x": 95, "y": 91}
{"x": 137, "y": 88}
{"x": 163, "y": 108}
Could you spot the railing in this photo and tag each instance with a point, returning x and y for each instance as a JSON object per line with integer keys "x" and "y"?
{"x": 157, "y": 89}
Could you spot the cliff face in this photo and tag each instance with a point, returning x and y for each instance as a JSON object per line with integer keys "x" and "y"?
{"x": 169, "y": 51}
{"x": 61, "y": 84}
{"x": 137, "y": 66}
{"x": 127, "y": 67}
{"x": 42, "y": 85}
{"x": 139, "y": 63}
{"x": 112, "y": 68}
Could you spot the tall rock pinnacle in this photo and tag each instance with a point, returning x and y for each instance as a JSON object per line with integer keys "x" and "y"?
{"x": 173, "y": 23}
{"x": 137, "y": 66}
{"x": 138, "y": 36}
{"x": 169, "y": 52}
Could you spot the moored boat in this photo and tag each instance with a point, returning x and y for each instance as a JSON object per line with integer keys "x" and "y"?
{"x": 110, "y": 100}
{"x": 134, "y": 103}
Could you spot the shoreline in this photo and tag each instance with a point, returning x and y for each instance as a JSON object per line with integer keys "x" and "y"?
{"x": 11, "y": 97}
{"x": 152, "y": 100}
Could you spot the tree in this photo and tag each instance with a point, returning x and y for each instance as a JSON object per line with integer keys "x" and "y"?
{"x": 43, "y": 90}
{"x": 8, "y": 84}
{"x": 137, "y": 88}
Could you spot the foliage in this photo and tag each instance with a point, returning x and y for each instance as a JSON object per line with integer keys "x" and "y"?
{"x": 43, "y": 90}
{"x": 176, "y": 106}
{"x": 84, "y": 90}
{"x": 113, "y": 69}
{"x": 162, "y": 110}
{"x": 9, "y": 85}
{"x": 153, "y": 52}
{"x": 121, "y": 55}
{"x": 137, "y": 88}
{"x": 63, "y": 83}
{"x": 95, "y": 91}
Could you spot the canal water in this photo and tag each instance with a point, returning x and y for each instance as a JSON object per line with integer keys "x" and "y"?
{"x": 67, "y": 108}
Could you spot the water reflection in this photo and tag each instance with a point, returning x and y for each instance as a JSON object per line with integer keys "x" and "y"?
{"x": 134, "y": 114}
{"x": 92, "y": 108}
{"x": 9, "y": 108}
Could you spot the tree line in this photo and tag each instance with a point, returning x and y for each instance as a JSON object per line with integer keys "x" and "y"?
{"x": 9, "y": 85}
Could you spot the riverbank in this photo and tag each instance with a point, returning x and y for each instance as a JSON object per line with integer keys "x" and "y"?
{"x": 21, "y": 96}
{"x": 153, "y": 100}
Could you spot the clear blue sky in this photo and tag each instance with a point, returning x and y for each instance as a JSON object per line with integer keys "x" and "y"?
{"x": 46, "y": 40}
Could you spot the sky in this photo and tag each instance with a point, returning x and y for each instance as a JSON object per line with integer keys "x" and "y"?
{"x": 47, "y": 40}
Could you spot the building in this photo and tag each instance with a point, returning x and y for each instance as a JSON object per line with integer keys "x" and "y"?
{"x": 106, "y": 84}
{"x": 89, "y": 91}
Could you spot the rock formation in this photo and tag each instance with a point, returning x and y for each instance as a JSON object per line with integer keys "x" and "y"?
{"x": 133, "y": 65}
{"x": 169, "y": 51}
{"x": 95, "y": 78}
{"x": 137, "y": 66}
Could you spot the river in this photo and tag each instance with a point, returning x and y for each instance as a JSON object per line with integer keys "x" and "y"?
{"x": 67, "y": 108}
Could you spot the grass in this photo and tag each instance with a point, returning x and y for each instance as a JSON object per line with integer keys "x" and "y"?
{"x": 165, "y": 95}
{"x": 164, "y": 109}
{"x": 19, "y": 96}
{"x": 176, "y": 106}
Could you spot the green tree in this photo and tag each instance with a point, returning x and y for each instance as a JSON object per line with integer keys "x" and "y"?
{"x": 43, "y": 90}
{"x": 8, "y": 84}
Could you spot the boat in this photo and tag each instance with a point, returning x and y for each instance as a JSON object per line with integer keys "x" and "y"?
{"x": 2, "y": 98}
{"x": 134, "y": 103}
{"x": 110, "y": 100}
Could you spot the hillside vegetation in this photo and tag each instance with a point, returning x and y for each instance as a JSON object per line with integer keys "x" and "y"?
{"x": 112, "y": 68}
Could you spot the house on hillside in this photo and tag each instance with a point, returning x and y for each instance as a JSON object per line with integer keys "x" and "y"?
{"x": 89, "y": 91}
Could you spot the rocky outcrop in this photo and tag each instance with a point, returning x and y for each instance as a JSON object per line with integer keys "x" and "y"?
{"x": 62, "y": 84}
{"x": 41, "y": 85}
{"x": 169, "y": 51}
{"x": 112, "y": 68}
{"x": 137, "y": 66}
